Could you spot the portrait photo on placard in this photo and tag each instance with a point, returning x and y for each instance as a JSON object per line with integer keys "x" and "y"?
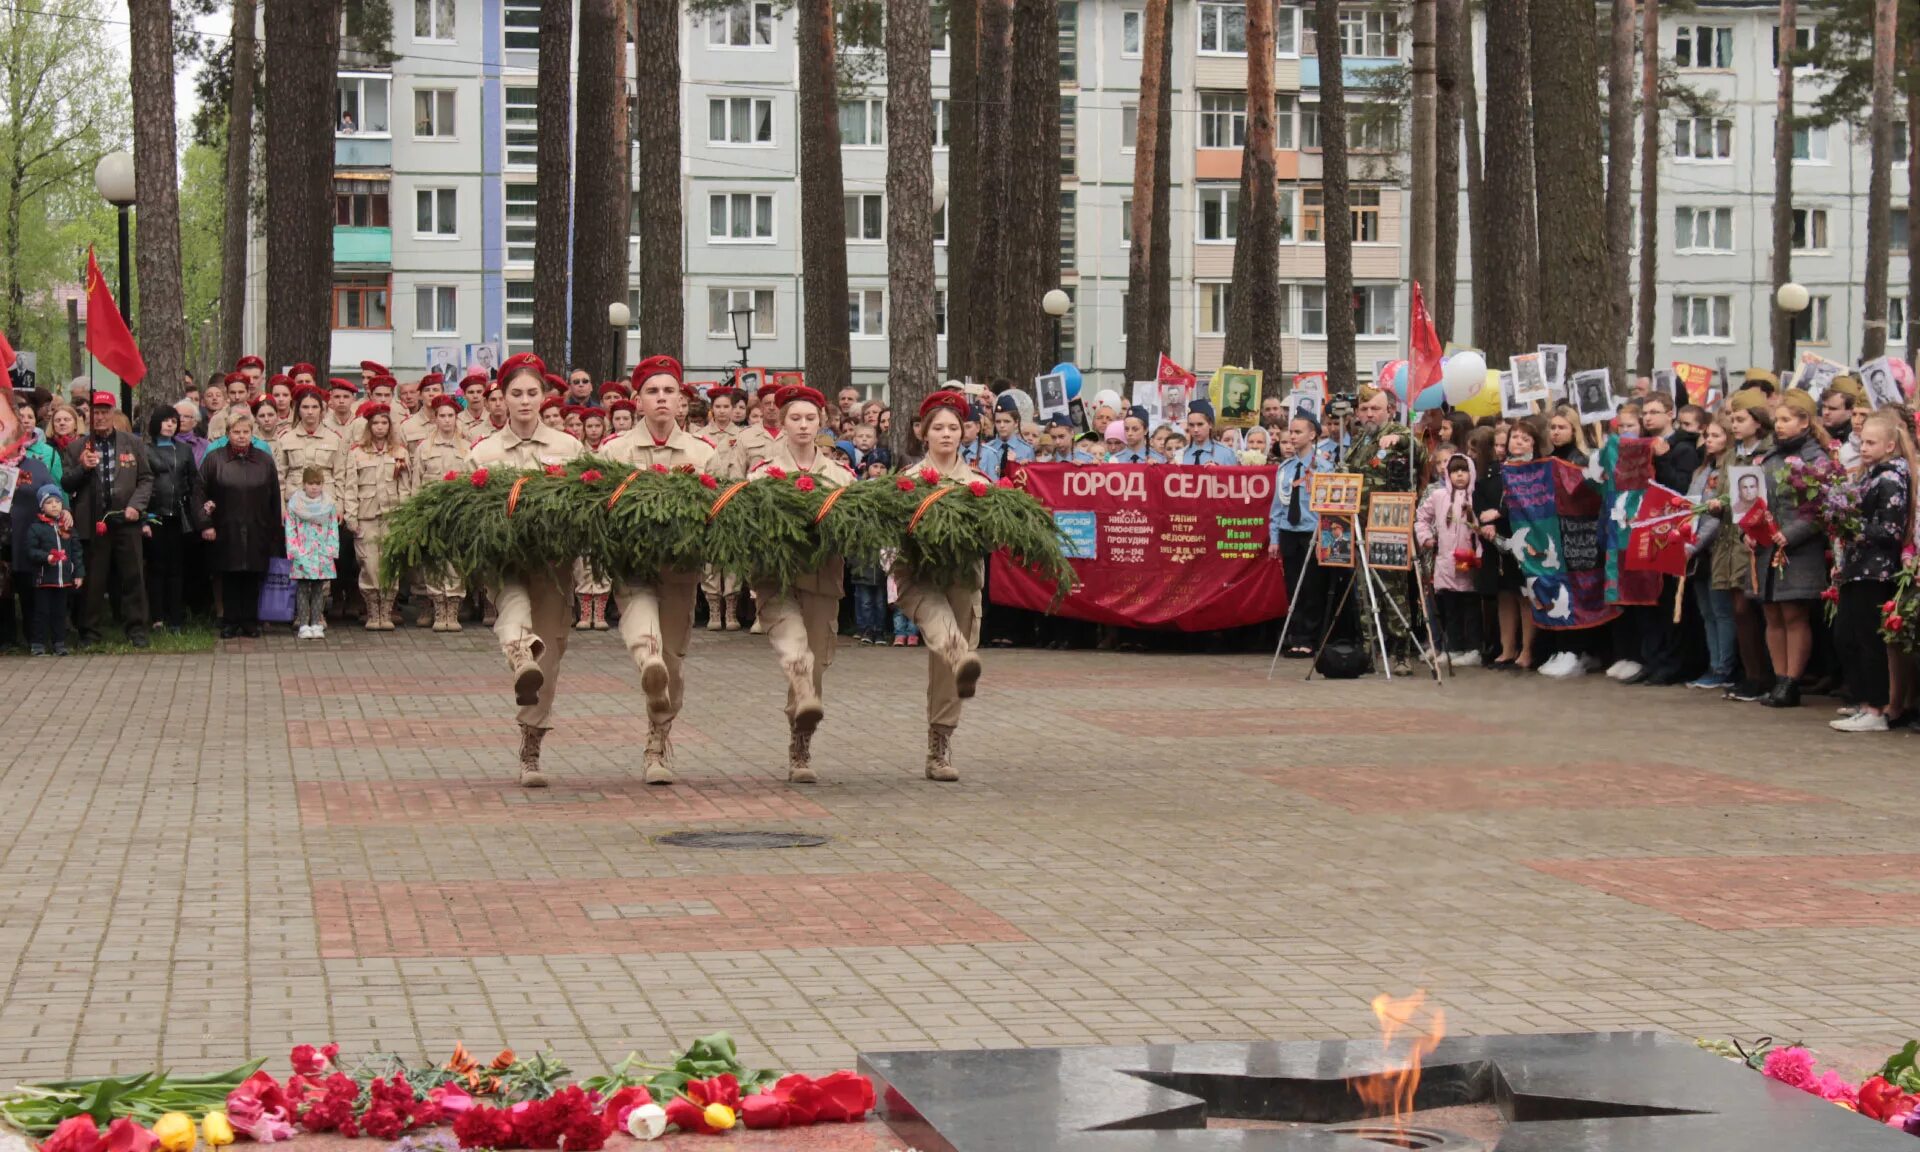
{"x": 1304, "y": 404}
{"x": 1390, "y": 512}
{"x": 1529, "y": 377}
{"x": 1749, "y": 485}
{"x": 1876, "y": 376}
{"x": 1173, "y": 403}
{"x": 1510, "y": 402}
{"x": 1333, "y": 544}
{"x": 1050, "y": 393}
{"x": 1390, "y": 550}
{"x": 1237, "y": 397}
{"x": 1665, "y": 383}
{"x": 1592, "y": 395}
{"x": 1335, "y": 493}
{"x": 1553, "y": 366}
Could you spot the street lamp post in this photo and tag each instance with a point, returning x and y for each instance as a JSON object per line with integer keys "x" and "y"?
{"x": 1056, "y": 303}
{"x": 1792, "y": 299}
{"x": 113, "y": 179}
{"x": 742, "y": 321}
{"x": 619, "y": 317}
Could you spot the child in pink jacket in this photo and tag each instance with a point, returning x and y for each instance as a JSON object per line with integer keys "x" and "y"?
{"x": 1444, "y": 529}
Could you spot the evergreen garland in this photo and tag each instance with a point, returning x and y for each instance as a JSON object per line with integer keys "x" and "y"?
{"x": 765, "y": 533}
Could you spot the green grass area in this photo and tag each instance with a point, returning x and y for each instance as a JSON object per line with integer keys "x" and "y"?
{"x": 197, "y": 637}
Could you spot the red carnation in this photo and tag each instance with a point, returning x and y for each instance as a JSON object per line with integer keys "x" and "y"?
{"x": 904, "y": 484}
{"x": 590, "y": 475}
{"x": 1004, "y": 482}
{"x": 777, "y": 472}
{"x": 709, "y": 481}
{"x": 556, "y": 470}
{"x": 479, "y": 478}
{"x": 660, "y": 468}
{"x": 451, "y": 475}
{"x": 99, "y": 527}
{"x": 805, "y": 483}
{"x": 310, "y": 1061}
{"x": 484, "y": 1127}
{"x": 929, "y": 476}
{"x": 57, "y": 556}
{"x": 978, "y": 487}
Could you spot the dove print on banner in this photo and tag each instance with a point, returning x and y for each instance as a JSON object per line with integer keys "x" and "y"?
{"x": 1556, "y": 513}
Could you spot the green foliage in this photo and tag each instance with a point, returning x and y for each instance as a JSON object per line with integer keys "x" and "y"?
{"x": 766, "y": 532}
{"x": 1843, "y": 53}
{"x": 704, "y": 1059}
{"x": 1900, "y": 1070}
{"x": 38, "y": 1108}
{"x": 203, "y": 193}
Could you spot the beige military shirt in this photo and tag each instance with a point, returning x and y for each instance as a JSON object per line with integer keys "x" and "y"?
{"x": 749, "y": 448}
{"x": 297, "y": 450}
{"x": 509, "y": 449}
{"x": 417, "y": 427}
{"x": 725, "y": 444}
{"x": 375, "y": 483}
{"x": 217, "y": 423}
{"x": 829, "y": 580}
{"x": 437, "y": 455}
{"x": 336, "y": 425}
{"x": 641, "y": 450}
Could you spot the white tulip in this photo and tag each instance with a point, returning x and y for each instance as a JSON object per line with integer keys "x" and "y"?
{"x": 647, "y": 1122}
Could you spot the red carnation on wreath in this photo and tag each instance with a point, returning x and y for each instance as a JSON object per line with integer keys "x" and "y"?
{"x": 687, "y": 469}
{"x": 1003, "y": 482}
{"x": 479, "y": 478}
{"x": 709, "y": 481}
{"x": 452, "y": 474}
{"x": 904, "y": 484}
{"x": 978, "y": 487}
{"x": 590, "y": 475}
{"x": 929, "y": 476}
{"x": 661, "y": 468}
{"x": 777, "y": 472}
{"x": 805, "y": 483}
{"x": 556, "y": 470}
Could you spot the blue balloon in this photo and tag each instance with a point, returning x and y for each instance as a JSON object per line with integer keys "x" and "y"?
{"x": 1072, "y": 374}
{"x": 1431, "y": 397}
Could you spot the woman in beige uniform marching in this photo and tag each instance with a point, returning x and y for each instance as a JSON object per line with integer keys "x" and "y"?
{"x": 949, "y": 617}
{"x": 802, "y": 621}
{"x": 443, "y": 450}
{"x": 377, "y": 479}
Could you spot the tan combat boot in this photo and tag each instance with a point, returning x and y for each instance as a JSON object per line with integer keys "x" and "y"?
{"x": 716, "y": 614}
{"x": 389, "y": 608}
{"x": 429, "y": 614}
{"x": 966, "y": 675}
{"x": 524, "y": 661}
{"x": 654, "y": 681}
{"x": 600, "y": 612}
{"x": 530, "y": 774}
{"x": 940, "y": 753}
{"x": 657, "y": 770}
{"x": 800, "y": 757}
{"x": 374, "y": 615}
{"x": 807, "y": 709}
{"x": 453, "y": 614}
{"x": 732, "y": 600}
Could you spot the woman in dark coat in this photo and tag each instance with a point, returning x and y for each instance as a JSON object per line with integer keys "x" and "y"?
{"x": 236, "y": 507}
{"x": 1789, "y": 588}
{"x": 167, "y": 521}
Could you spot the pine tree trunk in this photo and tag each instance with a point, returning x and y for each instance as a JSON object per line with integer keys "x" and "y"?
{"x": 602, "y": 180}
{"x": 1620, "y": 168}
{"x": 553, "y": 165}
{"x": 823, "y": 229}
{"x": 233, "y": 229}
{"x": 663, "y": 319}
{"x": 299, "y": 223}
{"x": 1781, "y": 322}
{"x": 963, "y": 181}
{"x": 1425, "y": 122}
{"x": 1504, "y": 270}
{"x": 1649, "y": 185}
{"x": 1476, "y": 166}
{"x": 1253, "y": 317}
{"x": 1337, "y": 228}
{"x": 989, "y": 267}
{"x": 1576, "y": 301}
{"x": 1160, "y": 283}
{"x": 1142, "y": 354}
{"x": 912, "y": 344}
{"x": 1873, "y": 343}
{"x": 156, "y": 250}
{"x": 1913, "y": 198}
{"x": 1033, "y": 235}
{"x": 1449, "y": 67}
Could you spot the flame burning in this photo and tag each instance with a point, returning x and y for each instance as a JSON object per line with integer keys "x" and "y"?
{"x": 1390, "y": 1093}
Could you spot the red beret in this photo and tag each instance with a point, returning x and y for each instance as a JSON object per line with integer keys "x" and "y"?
{"x": 371, "y": 408}
{"x": 432, "y": 378}
{"x": 795, "y": 392}
{"x": 373, "y": 366}
{"x": 303, "y": 367}
{"x": 382, "y": 381}
{"x": 589, "y": 411}
{"x": 615, "y": 388}
{"x": 656, "y": 366}
{"x": 725, "y": 391}
{"x": 277, "y": 379}
{"x": 523, "y": 360}
{"x": 443, "y": 401}
{"x": 246, "y": 362}
{"x": 262, "y": 401}
{"x": 552, "y": 402}
{"x": 474, "y": 373}
{"x": 336, "y": 384}
{"x": 497, "y": 384}
{"x": 102, "y": 400}
{"x": 621, "y": 404}
{"x": 557, "y": 383}
{"x": 690, "y": 390}
{"x": 952, "y": 401}
{"x": 306, "y": 390}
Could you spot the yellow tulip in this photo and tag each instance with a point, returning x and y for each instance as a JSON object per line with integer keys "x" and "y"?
{"x": 175, "y": 1132}
{"x": 218, "y": 1131}
{"x": 717, "y": 1115}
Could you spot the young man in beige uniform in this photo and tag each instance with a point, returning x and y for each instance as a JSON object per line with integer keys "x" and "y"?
{"x": 342, "y": 395}
{"x": 419, "y": 421}
{"x": 309, "y": 444}
{"x": 533, "y": 611}
{"x": 656, "y": 620}
{"x": 722, "y": 589}
{"x": 443, "y": 450}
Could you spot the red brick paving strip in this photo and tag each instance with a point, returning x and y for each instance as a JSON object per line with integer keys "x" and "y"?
{"x": 442, "y": 685}
{"x": 1427, "y": 787}
{"x": 570, "y": 917}
{"x": 380, "y": 802}
{"x": 1293, "y": 721}
{"x": 468, "y": 732}
{"x": 1744, "y": 893}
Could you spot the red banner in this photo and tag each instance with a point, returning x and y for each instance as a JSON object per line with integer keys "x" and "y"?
{"x": 1157, "y": 546}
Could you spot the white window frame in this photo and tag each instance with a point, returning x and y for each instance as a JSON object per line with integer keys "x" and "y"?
{"x": 1313, "y": 301}
{"x": 1136, "y": 20}
{"x": 1716, "y": 306}
{"x": 1692, "y": 125}
{"x": 433, "y": 293}
{"x": 1375, "y": 27}
{"x": 438, "y": 199}
{"x": 529, "y": 227}
{"x": 508, "y": 28}
{"x": 1218, "y": 115}
{"x": 863, "y": 300}
{"x": 1686, "y": 233}
{"x": 1818, "y": 312}
{"x": 434, "y": 100}
{"x": 1129, "y": 111}
{"x": 518, "y": 314}
{"x": 860, "y": 214}
{"x": 1126, "y": 221}
{"x": 1229, "y": 197}
{"x": 873, "y": 110}
{"x": 749, "y": 297}
{"x": 522, "y": 117}
{"x": 753, "y": 106}
{"x": 1718, "y": 61}
{"x": 1286, "y": 209}
{"x": 435, "y": 33}
{"x": 1805, "y": 36}
{"x": 1373, "y": 294}
{"x": 360, "y": 129}
{"x": 1286, "y": 31}
{"x": 1219, "y": 14}
{"x": 752, "y": 11}
{"x": 940, "y": 226}
{"x": 1356, "y": 210}
{"x": 1897, "y": 231}
{"x": 1286, "y": 121}
{"x": 942, "y": 122}
{"x": 730, "y": 202}
{"x": 1896, "y": 320}
{"x": 1817, "y": 221}
{"x": 1819, "y": 145}
{"x": 1216, "y": 297}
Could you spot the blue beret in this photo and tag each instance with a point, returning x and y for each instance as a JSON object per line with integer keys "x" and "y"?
{"x": 1201, "y": 407}
{"x": 1006, "y": 403}
{"x": 1139, "y": 412}
{"x": 1059, "y": 420}
{"x": 47, "y": 490}
{"x": 976, "y": 413}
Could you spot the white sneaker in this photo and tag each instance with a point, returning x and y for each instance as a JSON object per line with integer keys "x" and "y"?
{"x": 1562, "y": 665}
{"x": 1465, "y": 659}
{"x": 306, "y": 631}
{"x": 1846, "y": 710}
{"x": 1863, "y": 721}
{"x": 1621, "y": 669}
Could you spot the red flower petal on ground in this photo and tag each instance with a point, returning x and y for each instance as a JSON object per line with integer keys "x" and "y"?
{"x": 845, "y": 1096}
{"x": 765, "y": 1111}
{"x": 589, "y": 476}
{"x": 479, "y": 478}
{"x": 777, "y": 472}
{"x": 978, "y": 487}
{"x": 805, "y": 483}
{"x": 904, "y": 484}
{"x": 709, "y": 482}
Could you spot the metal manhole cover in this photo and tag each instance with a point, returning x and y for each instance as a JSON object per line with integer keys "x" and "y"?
{"x": 721, "y": 839}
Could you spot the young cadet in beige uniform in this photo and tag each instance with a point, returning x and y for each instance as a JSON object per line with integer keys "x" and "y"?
{"x": 444, "y": 450}
{"x": 341, "y": 395}
{"x": 309, "y": 444}
{"x": 949, "y": 618}
{"x": 532, "y": 607}
{"x": 722, "y": 589}
{"x": 803, "y": 621}
{"x": 419, "y": 423}
{"x": 751, "y": 446}
{"x": 377, "y": 479}
{"x": 656, "y": 620}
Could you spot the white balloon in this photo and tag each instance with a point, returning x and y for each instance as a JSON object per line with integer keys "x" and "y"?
{"x": 1464, "y": 376}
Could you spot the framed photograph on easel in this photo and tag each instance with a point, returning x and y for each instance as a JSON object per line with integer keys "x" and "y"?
{"x": 1335, "y": 494}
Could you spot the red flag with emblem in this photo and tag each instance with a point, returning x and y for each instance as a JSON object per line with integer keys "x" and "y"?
{"x": 107, "y": 335}
{"x": 1425, "y": 368}
{"x": 1662, "y": 531}
{"x": 1697, "y": 379}
{"x": 1171, "y": 373}
{"x": 7, "y": 356}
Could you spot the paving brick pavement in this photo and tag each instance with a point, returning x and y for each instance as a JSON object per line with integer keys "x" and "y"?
{"x": 204, "y": 857}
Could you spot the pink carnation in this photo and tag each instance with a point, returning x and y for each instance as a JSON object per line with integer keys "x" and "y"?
{"x": 1792, "y": 1066}
{"x": 1830, "y": 1087}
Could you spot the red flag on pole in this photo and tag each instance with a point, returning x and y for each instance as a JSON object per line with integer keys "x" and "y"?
{"x": 1425, "y": 368}
{"x": 1171, "y": 373}
{"x": 1661, "y": 533}
{"x": 107, "y": 335}
{"x": 7, "y": 356}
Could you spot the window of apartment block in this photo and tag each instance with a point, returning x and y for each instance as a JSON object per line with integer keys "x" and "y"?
{"x": 1703, "y": 46}
{"x": 1216, "y": 300}
{"x": 1702, "y": 318}
{"x": 1702, "y": 229}
{"x": 1287, "y": 203}
{"x": 433, "y": 113}
{"x": 1069, "y": 41}
{"x": 1703, "y": 138}
{"x": 522, "y": 118}
{"x": 1283, "y": 309}
{"x": 1369, "y": 32}
{"x": 1810, "y": 327}
{"x": 1286, "y": 30}
{"x": 1373, "y": 311}
{"x": 1069, "y": 135}
{"x": 1313, "y": 215}
{"x": 721, "y": 301}
{"x": 436, "y": 213}
{"x": 863, "y": 123}
{"x": 739, "y": 120}
{"x": 942, "y": 121}
{"x": 1069, "y": 328}
{"x": 361, "y": 107}
{"x": 1373, "y": 127}
{"x": 1309, "y": 125}
{"x": 520, "y": 27}
{"x": 360, "y": 302}
{"x": 433, "y": 19}
{"x": 1126, "y": 220}
{"x": 1133, "y": 35}
{"x": 866, "y": 216}
{"x": 1810, "y": 143}
{"x": 940, "y": 313}
{"x": 1286, "y": 110}
{"x": 734, "y": 217}
{"x": 1809, "y": 229}
{"x": 360, "y": 204}
{"x": 1129, "y": 126}
{"x": 1069, "y": 228}
{"x": 519, "y": 332}
{"x": 937, "y": 30}
{"x": 522, "y": 205}
{"x": 1223, "y": 119}
{"x": 1897, "y": 320}
{"x": 1313, "y": 310}
{"x": 435, "y": 310}
{"x": 940, "y": 225}
{"x": 1899, "y": 141}
{"x": 748, "y": 25}
{"x": 859, "y": 27}
{"x": 867, "y": 312}
{"x": 1363, "y": 205}
{"x": 1897, "y": 237}
{"x": 1223, "y": 29}
{"x": 1803, "y": 41}
{"x": 1219, "y": 214}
